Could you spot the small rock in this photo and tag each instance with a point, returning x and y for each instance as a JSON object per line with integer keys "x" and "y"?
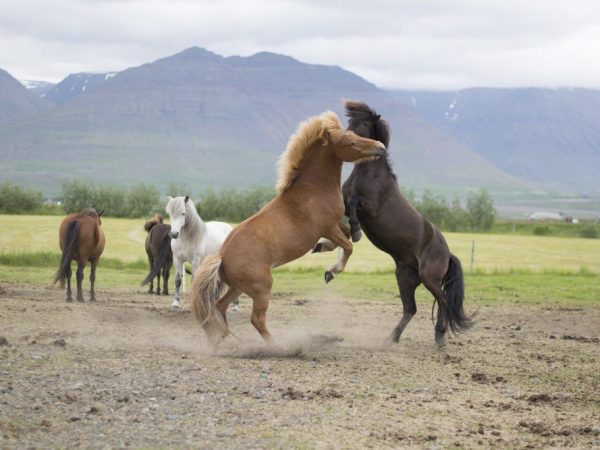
{"x": 481, "y": 430}
{"x": 3, "y": 341}
{"x": 479, "y": 377}
{"x": 74, "y": 419}
{"x": 95, "y": 408}
{"x": 60, "y": 343}
{"x": 45, "y": 423}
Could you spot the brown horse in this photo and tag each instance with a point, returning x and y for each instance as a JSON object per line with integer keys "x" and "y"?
{"x": 81, "y": 239}
{"x": 419, "y": 250}
{"x": 309, "y": 205}
{"x": 160, "y": 255}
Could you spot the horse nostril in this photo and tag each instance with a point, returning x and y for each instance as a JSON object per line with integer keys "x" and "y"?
{"x": 174, "y": 234}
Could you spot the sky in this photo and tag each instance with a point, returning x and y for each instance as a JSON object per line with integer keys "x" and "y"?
{"x": 419, "y": 44}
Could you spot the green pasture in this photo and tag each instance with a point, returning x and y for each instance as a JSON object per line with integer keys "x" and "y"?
{"x": 494, "y": 253}
{"x": 545, "y": 270}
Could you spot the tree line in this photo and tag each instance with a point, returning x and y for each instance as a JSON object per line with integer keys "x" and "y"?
{"x": 228, "y": 204}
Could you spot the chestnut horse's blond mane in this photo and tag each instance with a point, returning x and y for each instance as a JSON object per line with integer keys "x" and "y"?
{"x": 327, "y": 127}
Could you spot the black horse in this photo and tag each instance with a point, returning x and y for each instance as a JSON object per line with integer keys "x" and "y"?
{"x": 374, "y": 203}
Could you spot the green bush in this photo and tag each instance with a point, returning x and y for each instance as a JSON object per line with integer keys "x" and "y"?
{"x": 542, "y": 230}
{"x": 233, "y": 204}
{"x": 590, "y": 232}
{"x": 15, "y": 199}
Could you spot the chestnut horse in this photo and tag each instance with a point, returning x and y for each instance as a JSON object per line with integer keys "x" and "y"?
{"x": 160, "y": 255}
{"x": 308, "y": 205}
{"x": 81, "y": 239}
{"x": 417, "y": 246}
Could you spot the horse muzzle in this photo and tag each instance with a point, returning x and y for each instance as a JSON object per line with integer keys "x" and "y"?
{"x": 174, "y": 234}
{"x": 378, "y": 151}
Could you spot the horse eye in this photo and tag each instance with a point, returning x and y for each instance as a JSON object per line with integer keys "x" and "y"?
{"x": 352, "y": 144}
{"x": 183, "y": 214}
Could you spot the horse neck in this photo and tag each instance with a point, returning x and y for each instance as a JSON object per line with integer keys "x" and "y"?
{"x": 194, "y": 226}
{"x": 322, "y": 169}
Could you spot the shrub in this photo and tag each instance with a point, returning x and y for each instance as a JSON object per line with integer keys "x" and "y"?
{"x": 589, "y": 232}
{"x": 15, "y": 199}
{"x": 542, "y": 230}
{"x": 481, "y": 213}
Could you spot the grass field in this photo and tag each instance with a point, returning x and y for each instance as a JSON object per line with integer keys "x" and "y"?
{"x": 527, "y": 269}
{"x": 493, "y": 252}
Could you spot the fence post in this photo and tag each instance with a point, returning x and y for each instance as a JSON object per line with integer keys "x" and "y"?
{"x": 472, "y": 254}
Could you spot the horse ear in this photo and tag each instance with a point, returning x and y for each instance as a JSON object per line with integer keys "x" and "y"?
{"x": 101, "y": 213}
{"x": 376, "y": 117}
{"x": 169, "y": 198}
{"x": 187, "y": 197}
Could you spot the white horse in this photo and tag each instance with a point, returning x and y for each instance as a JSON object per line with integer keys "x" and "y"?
{"x": 192, "y": 239}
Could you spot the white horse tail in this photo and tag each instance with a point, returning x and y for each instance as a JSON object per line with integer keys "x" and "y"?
{"x": 205, "y": 292}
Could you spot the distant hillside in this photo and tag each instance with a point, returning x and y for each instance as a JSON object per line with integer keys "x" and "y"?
{"x": 549, "y": 136}
{"x": 39, "y": 88}
{"x": 74, "y": 85}
{"x": 205, "y": 120}
{"x": 16, "y": 102}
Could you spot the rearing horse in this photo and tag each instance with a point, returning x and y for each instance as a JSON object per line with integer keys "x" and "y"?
{"x": 308, "y": 205}
{"x": 421, "y": 254}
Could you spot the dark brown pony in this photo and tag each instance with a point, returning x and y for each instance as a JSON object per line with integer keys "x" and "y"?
{"x": 375, "y": 204}
{"x": 309, "y": 205}
{"x": 81, "y": 239}
{"x": 160, "y": 255}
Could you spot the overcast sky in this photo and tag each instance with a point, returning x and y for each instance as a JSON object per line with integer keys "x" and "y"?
{"x": 417, "y": 44}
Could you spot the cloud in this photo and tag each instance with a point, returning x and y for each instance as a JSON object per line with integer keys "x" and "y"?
{"x": 430, "y": 44}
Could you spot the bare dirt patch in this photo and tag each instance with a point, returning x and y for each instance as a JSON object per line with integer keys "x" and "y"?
{"x": 127, "y": 371}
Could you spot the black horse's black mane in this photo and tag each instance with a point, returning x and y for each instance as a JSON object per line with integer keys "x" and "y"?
{"x": 358, "y": 113}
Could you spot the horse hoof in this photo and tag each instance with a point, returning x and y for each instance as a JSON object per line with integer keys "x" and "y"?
{"x": 69, "y": 299}
{"x": 235, "y": 308}
{"x": 356, "y": 236}
{"x": 317, "y": 248}
{"x": 440, "y": 341}
{"x": 328, "y": 276}
{"x": 80, "y": 300}
{"x": 175, "y": 305}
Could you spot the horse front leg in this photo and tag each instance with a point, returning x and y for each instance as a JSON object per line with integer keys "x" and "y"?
{"x": 326, "y": 245}
{"x": 339, "y": 237}
{"x": 351, "y": 208}
{"x": 179, "y": 268}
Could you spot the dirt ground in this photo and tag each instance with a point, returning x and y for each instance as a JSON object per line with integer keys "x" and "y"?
{"x": 129, "y": 372}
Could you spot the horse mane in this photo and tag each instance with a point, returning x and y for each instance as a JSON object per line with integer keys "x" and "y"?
{"x": 359, "y": 112}
{"x": 326, "y": 127}
{"x": 154, "y": 221}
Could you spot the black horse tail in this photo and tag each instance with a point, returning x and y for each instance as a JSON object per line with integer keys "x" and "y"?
{"x": 71, "y": 243}
{"x": 159, "y": 262}
{"x": 453, "y": 286}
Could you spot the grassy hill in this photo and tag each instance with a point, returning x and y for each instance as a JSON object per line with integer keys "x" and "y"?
{"x": 205, "y": 120}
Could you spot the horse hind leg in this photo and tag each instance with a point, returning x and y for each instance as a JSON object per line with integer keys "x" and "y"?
{"x": 434, "y": 285}
{"x": 93, "y": 280}
{"x": 68, "y": 274}
{"x": 407, "y": 280}
{"x": 80, "y": 266}
{"x": 260, "y": 304}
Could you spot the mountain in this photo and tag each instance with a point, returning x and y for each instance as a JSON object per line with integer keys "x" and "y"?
{"x": 16, "y": 102}
{"x": 549, "y": 136}
{"x": 205, "y": 120}
{"x": 74, "y": 85}
{"x": 39, "y": 88}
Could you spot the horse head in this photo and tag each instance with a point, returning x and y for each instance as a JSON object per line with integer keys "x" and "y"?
{"x": 179, "y": 210}
{"x": 365, "y": 122}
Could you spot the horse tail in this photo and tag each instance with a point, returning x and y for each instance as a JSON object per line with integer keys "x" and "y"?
{"x": 205, "y": 292}
{"x": 453, "y": 286}
{"x": 71, "y": 243}
{"x": 159, "y": 262}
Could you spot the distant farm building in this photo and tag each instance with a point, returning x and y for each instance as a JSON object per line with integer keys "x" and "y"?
{"x": 551, "y": 216}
